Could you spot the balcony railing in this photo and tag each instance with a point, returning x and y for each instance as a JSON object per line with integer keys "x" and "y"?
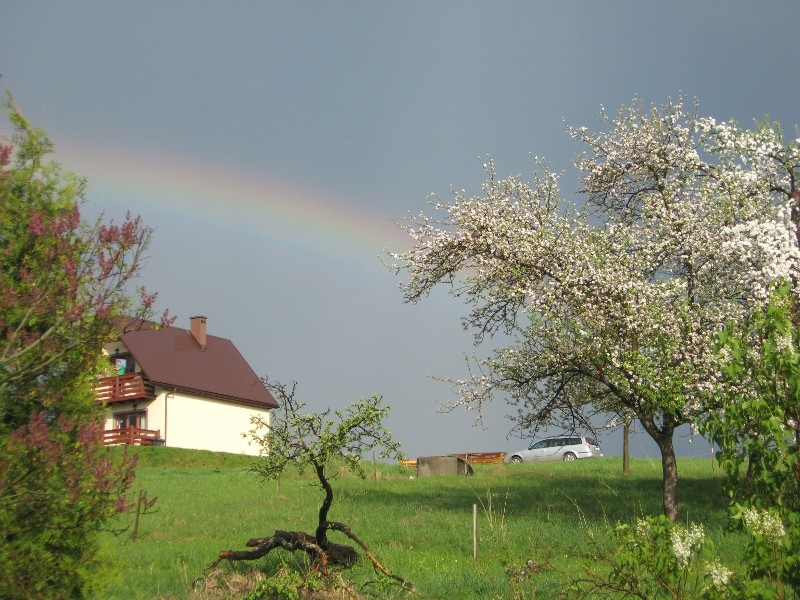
{"x": 133, "y": 436}
{"x": 131, "y": 386}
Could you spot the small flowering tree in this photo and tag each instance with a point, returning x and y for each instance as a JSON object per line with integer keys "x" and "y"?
{"x": 297, "y": 440}
{"x": 684, "y": 224}
{"x": 62, "y": 281}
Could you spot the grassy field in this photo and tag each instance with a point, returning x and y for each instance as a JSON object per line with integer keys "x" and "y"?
{"x": 559, "y": 514}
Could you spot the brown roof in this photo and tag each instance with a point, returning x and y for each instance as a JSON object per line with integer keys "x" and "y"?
{"x": 171, "y": 357}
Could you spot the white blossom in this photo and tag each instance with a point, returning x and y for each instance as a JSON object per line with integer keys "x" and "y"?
{"x": 686, "y": 542}
{"x": 784, "y": 342}
{"x": 643, "y": 529}
{"x": 720, "y": 575}
{"x": 765, "y": 524}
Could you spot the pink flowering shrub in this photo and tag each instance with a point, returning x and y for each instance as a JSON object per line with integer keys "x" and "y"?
{"x": 58, "y": 487}
{"x": 62, "y": 284}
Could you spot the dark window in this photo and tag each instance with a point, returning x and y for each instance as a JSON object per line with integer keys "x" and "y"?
{"x": 137, "y": 419}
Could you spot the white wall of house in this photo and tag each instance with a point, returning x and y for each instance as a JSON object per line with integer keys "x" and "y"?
{"x": 116, "y": 347}
{"x": 188, "y": 421}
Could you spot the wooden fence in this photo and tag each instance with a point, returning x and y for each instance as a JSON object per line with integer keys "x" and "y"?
{"x": 130, "y": 386}
{"x": 131, "y": 435}
{"x": 475, "y": 458}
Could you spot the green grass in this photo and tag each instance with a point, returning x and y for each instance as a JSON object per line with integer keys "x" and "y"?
{"x": 420, "y": 529}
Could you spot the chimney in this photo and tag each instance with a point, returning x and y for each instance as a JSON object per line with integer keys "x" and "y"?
{"x": 198, "y": 328}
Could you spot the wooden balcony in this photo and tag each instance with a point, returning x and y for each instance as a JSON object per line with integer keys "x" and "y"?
{"x": 132, "y": 436}
{"x": 131, "y": 386}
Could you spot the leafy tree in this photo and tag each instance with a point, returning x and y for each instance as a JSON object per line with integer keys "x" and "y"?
{"x": 759, "y": 423}
{"x": 684, "y": 223}
{"x": 294, "y": 440}
{"x": 62, "y": 282}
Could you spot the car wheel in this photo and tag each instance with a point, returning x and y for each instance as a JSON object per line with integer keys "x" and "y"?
{"x": 516, "y": 460}
{"x": 570, "y": 456}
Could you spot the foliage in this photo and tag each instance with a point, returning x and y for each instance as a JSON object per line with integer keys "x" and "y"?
{"x": 297, "y": 440}
{"x": 759, "y": 425}
{"x": 685, "y": 223}
{"x": 286, "y": 584}
{"x": 62, "y": 282}
{"x": 656, "y": 558}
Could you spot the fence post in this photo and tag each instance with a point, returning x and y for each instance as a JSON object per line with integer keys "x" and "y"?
{"x": 474, "y": 531}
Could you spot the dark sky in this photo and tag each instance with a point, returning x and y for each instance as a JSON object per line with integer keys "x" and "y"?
{"x": 273, "y": 145}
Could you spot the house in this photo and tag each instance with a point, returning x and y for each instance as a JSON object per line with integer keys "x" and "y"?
{"x": 180, "y": 388}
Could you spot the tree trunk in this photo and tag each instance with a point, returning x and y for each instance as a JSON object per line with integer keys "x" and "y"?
{"x": 626, "y": 449}
{"x": 669, "y": 479}
{"x": 669, "y": 468}
{"x": 321, "y": 533}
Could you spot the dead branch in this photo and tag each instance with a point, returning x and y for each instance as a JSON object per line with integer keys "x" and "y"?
{"x": 337, "y": 554}
{"x": 375, "y": 563}
{"x": 288, "y": 540}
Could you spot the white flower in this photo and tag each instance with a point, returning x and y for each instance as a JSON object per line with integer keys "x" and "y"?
{"x": 643, "y": 528}
{"x": 783, "y": 342}
{"x": 685, "y": 542}
{"x": 764, "y": 523}
{"x": 720, "y": 575}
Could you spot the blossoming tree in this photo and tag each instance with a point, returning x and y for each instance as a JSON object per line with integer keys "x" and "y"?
{"x": 613, "y": 307}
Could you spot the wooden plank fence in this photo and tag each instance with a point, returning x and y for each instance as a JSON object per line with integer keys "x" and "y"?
{"x": 131, "y": 386}
{"x": 475, "y": 458}
{"x": 131, "y": 435}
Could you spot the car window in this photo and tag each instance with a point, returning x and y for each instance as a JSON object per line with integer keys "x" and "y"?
{"x": 573, "y": 441}
{"x": 540, "y": 445}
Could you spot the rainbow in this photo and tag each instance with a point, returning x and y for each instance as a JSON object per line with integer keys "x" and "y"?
{"x": 246, "y": 203}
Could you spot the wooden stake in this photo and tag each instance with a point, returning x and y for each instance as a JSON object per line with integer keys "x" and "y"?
{"x": 474, "y": 531}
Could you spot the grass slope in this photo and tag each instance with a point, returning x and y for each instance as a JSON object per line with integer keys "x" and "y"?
{"x": 421, "y": 529}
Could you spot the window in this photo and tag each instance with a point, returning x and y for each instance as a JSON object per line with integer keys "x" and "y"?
{"x": 137, "y": 419}
{"x": 123, "y": 363}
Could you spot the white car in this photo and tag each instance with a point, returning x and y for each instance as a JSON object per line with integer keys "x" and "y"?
{"x": 560, "y": 447}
